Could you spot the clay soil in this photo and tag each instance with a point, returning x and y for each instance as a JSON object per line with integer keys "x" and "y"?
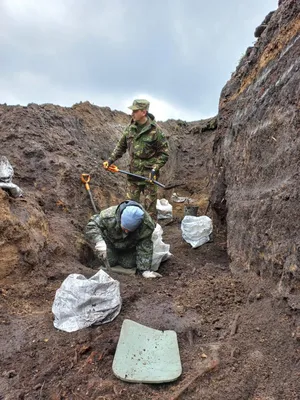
{"x": 236, "y": 339}
{"x": 238, "y": 334}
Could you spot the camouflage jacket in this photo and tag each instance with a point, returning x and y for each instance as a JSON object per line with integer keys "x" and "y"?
{"x": 107, "y": 226}
{"x": 147, "y": 149}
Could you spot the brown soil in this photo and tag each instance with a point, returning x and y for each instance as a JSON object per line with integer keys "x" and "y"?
{"x": 235, "y": 338}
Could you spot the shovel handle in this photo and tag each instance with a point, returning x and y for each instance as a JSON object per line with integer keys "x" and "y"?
{"x": 114, "y": 168}
{"x": 85, "y": 178}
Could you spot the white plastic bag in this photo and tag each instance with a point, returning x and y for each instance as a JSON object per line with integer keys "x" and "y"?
{"x": 82, "y": 302}
{"x": 160, "y": 249}
{"x": 6, "y": 175}
{"x": 6, "y": 170}
{"x": 13, "y": 189}
{"x": 196, "y": 230}
{"x": 164, "y": 209}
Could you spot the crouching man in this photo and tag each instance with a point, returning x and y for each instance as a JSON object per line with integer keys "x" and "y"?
{"x": 123, "y": 235}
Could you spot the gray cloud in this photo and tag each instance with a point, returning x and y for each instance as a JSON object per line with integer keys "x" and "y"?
{"x": 181, "y": 51}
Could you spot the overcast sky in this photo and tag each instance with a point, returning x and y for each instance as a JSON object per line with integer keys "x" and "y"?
{"x": 177, "y": 53}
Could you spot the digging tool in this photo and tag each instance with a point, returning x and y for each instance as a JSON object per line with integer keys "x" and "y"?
{"x": 85, "y": 178}
{"x": 114, "y": 168}
{"x": 106, "y": 264}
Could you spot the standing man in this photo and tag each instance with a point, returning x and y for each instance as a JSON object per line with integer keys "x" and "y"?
{"x": 148, "y": 151}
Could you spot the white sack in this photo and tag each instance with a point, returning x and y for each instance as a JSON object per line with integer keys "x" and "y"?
{"x": 164, "y": 209}
{"x": 160, "y": 249}
{"x": 6, "y": 175}
{"x": 196, "y": 230}
{"x": 82, "y": 302}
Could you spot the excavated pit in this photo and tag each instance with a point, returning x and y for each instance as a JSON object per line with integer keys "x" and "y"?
{"x": 234, "y": 302}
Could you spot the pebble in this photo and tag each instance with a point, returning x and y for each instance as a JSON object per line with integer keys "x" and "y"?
{"x": 9, "y": 374}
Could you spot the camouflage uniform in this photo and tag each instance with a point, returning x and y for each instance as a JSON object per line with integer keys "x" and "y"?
{"x": 148, "y": 149}
{"x": 131, "y": 250}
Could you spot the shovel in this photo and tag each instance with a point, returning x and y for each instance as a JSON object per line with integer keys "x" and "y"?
{"x": 85, "y": 178}
{"x": 106, "y": 264}
{"x": 114, "y": 168}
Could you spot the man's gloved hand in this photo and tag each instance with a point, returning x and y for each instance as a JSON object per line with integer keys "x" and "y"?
{"x": 152, "y": 175}
{"x": 101, "y": 249}
{"x": 151, "y": 274}
{"x": 107, "y": 163}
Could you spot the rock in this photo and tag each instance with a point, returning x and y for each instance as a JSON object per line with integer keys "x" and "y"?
{"x": 9, "y": 374}
{"x": 259, "y": 30}
{"x": 294, "y": 302}
{"x": 235, "y": 352}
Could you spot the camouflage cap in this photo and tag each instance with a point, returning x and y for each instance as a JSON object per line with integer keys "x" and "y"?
{"x": 140, "y": 104}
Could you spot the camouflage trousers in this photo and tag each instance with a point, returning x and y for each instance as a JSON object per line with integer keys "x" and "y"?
{"x": 124, "y": 258}
{"x": 149, "y": 190}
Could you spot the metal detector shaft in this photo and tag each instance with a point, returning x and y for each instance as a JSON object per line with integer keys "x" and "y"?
{"x": 141, "y": 177}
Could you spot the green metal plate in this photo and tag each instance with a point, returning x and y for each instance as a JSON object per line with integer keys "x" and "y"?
{"x": 124, "y": 271}
{"x": 146, "y": 355}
